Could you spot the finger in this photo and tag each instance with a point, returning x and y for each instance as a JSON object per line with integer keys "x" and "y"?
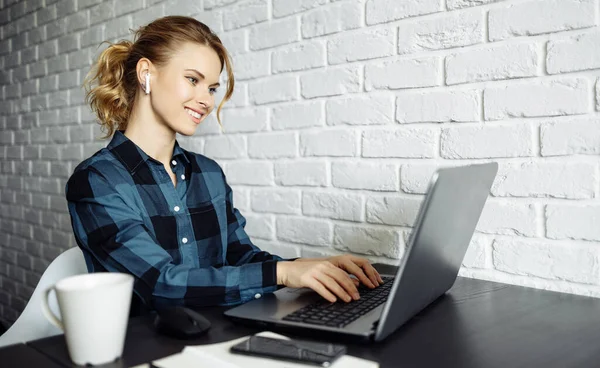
{"x": 333, "y": 286}
{"x": 317, "y": 286}
{"x": 372, "y": 273}
{"x": 354, "y": 269}
{"x": 344, "y": 280}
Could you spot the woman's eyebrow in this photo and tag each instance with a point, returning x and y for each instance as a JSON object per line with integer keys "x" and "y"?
{"x": 203, "y": 77}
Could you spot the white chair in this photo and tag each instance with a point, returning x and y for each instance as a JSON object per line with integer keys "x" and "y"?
{"x": 32, "y": 324}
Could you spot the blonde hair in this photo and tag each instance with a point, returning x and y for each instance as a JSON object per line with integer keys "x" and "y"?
{"x": 111, "y": 85}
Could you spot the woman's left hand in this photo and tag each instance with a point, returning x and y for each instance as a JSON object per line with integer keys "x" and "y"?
{"x": 359, "y": 267}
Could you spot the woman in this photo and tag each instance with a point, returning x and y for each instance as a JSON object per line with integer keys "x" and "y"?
{"x": 145, "y": 206}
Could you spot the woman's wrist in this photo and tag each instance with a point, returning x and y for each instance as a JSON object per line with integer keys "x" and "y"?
{"x": 281, "y": 271}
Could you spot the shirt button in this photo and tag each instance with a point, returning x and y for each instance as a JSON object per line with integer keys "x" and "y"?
{"x": 182, "y": 177}
{"x": 176, "y": 208}
{"x": 184, "y": 240}
{"x": 257, "y": 296}
{"x": 174, "y": 162}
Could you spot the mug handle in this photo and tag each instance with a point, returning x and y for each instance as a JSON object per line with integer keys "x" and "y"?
{"x": 48, "y": 312}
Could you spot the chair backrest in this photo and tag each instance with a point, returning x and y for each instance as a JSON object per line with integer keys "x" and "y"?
{"x": 32, "y": 324}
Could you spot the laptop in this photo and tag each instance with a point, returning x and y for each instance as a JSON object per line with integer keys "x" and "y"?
{"x": 437, "y": 245}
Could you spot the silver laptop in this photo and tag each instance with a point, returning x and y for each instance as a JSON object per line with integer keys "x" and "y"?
{"x": 445, "y": 224}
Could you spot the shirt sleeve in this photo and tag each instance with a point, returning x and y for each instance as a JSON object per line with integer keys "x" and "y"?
{"x": 114, "y": 233}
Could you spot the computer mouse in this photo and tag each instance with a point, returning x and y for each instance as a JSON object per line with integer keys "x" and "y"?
{"x": 180, "y": 322}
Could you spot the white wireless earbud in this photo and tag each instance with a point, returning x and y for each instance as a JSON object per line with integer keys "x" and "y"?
{"x": 147, "y": 84}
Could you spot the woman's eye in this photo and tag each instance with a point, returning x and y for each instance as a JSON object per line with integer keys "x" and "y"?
{"x": 193, "y": 80}
{"x": 212, "y": 91}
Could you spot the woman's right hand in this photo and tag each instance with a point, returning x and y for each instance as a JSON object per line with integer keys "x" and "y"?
{"x": 330, "y": 281}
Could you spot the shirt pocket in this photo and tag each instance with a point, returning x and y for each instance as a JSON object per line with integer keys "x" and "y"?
{"x": 206, "y": 218}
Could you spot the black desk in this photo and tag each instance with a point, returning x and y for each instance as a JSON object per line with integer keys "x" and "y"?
{"x": 477, "y": 324}
{"x": 21, "y": 355}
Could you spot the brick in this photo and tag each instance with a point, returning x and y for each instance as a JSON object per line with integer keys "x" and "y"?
{"x": 236, "y": 42}
{"x": 68, "y": 43}
{"x": 337, "y": 143}
{"x": 241, "y": 199}
{"x": 396, "y": 74}
{"x": 282, "y": 8}
{"x": 398, "y": 211}
{"x": 364, "y": 45}
{"x": 383, "y": 11}
{"x": 300, "y": 56}
{"x": 78, "y": 21}
{"x": 476, "y": 256}
{"x": 245, "y": 14}
{"x": 542, "y": 16}
{"x": 456, "y": 29}
{"x": 239, "y": 97}
{"x": 400, "y": 142}
{"x": 332, "y": 82}
{"x": 37, "y": 35}
{"x": 492, "y": 63}
{"x": 92, "y": 36}
{"x": 252, "y": 65}
{"x": 114, "y": 28}
{"x": 245, "y": 120}
{"x": 374, "y": 241}
{"x": 573, "y": 222}
{"x": 300, "y": 173}
{"x": 360, "y": 110}
{"x": 278, "y": 89}
{"x": 213, "y": 19}
{"x": 304, "y": 231}
{"x": 275, "y": 33}
{"x": 368, "y": 176}
{"x": 249, "y": 173}
{"x": 211, "y": 4}
{"x": 508, "y": 218}
{"x": 548, "y": 261}
{"x": 225, "y": 147}
{"x": 332, "y": 18}
{"x": 46, "y": 14}
{"x": 577, "y": 53}
{"x": 69, "y": 80}
{"x": 531, "y": 179}
{"x": 124, "y": 7}
{"x": 272, "y": 145}
{"x": 415, "y": 178}
{"x": 480, "y": 142}
{"x": 102, "y": 12}
{"x": 261, "y": 227}
{"x": 437, "y": 106}
{"x": 334, "y": 206}
{"x": 65, "y": 7}
{"x": 26, "y": 23}
{"x": 547, "y": 98}
{"x": 297, "y": 115}
{"x": 460, "y": 4}
{"x": 284, "y": 201}
{"x": 570, "y": 138}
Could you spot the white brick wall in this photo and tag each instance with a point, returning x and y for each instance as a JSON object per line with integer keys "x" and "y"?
{"x": 342, "y": 112}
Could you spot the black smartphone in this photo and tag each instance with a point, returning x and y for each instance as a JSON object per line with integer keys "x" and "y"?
{"x": 317, "y": 353}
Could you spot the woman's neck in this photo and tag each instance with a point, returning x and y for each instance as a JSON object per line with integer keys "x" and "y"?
{"x": 156, "y": 139}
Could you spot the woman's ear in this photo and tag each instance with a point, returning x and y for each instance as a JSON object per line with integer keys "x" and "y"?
{"x": 143, "y": 74}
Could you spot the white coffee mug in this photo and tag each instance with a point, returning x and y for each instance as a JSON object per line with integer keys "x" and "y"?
{"x": 94, "y": 309}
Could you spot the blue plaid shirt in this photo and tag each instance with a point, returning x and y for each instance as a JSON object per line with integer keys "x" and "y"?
{"x": 184, "y": 244}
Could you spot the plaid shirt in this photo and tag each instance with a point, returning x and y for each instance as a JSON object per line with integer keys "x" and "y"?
{"x": 184, "y": 244}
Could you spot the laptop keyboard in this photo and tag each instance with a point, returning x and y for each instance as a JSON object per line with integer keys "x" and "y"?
{"x": 340, "y": 314}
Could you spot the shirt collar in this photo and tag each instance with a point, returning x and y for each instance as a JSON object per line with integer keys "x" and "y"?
{"x": 132, "y": 156}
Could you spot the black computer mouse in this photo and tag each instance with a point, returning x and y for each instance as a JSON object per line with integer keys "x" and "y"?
{"x": 180, "y": 322}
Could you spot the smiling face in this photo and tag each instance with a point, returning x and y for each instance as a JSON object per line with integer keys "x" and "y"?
{"x": 182, "y": 90}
